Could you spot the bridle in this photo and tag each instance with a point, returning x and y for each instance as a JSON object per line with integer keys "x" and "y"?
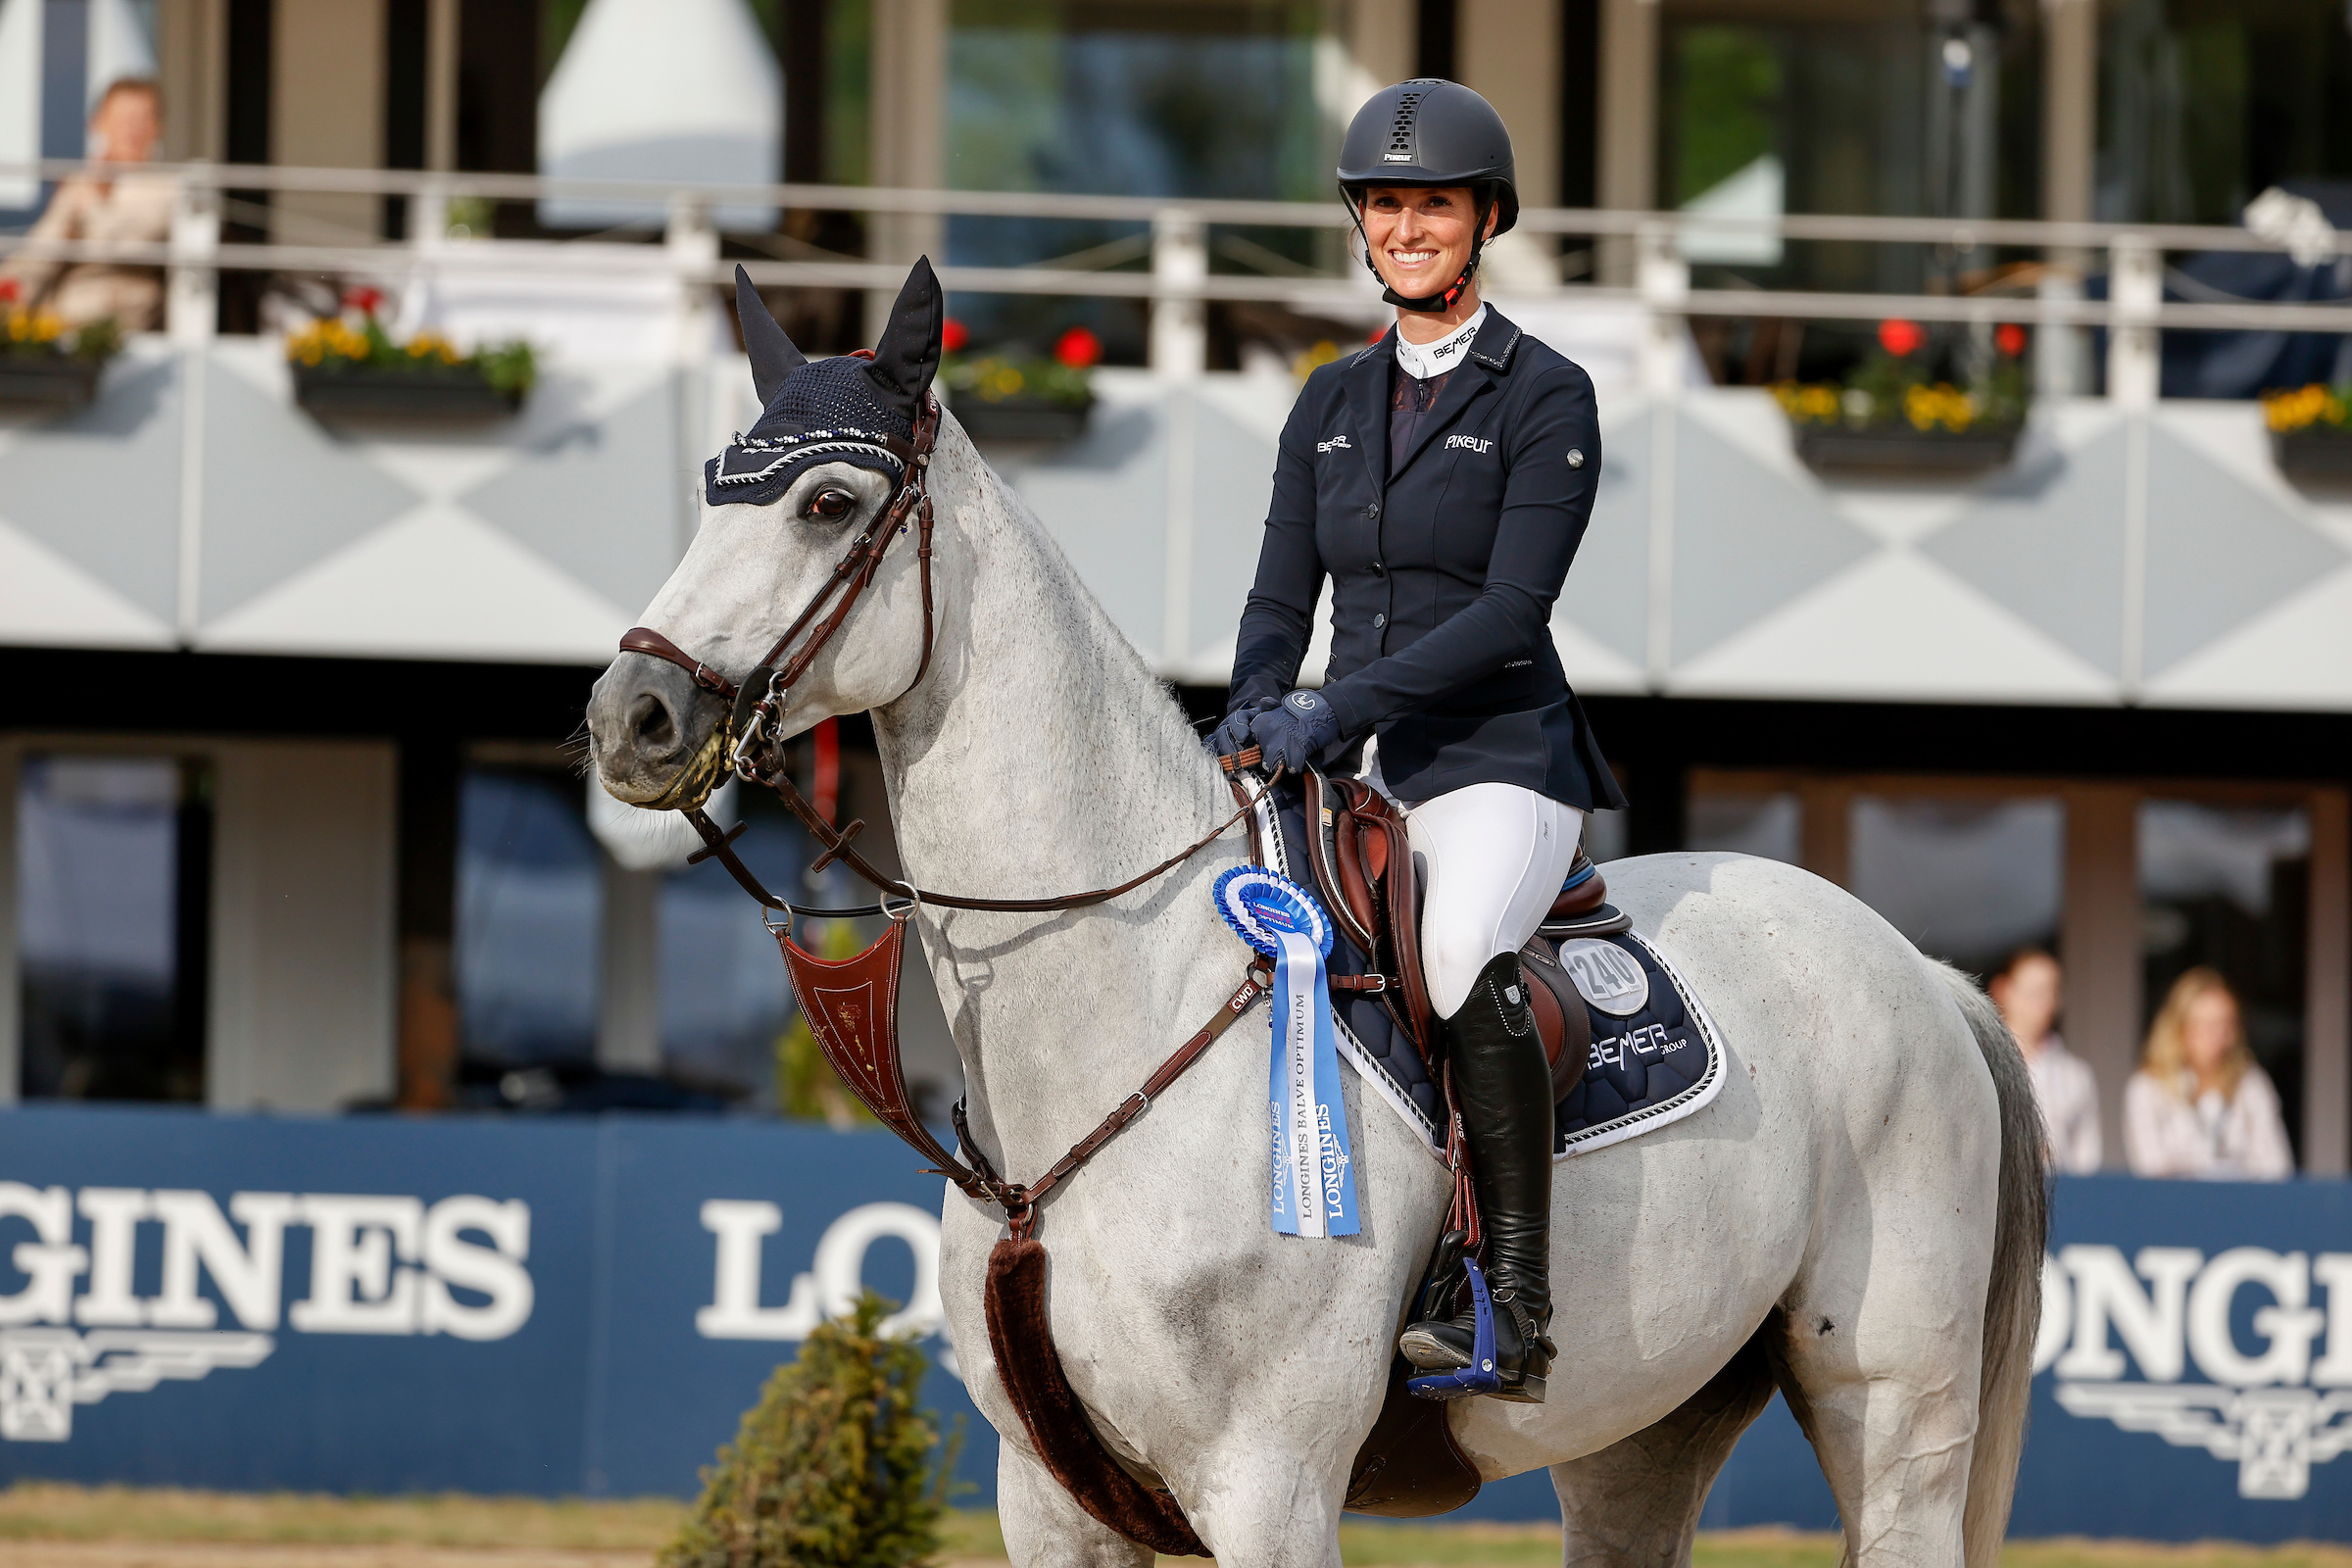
{"x": 754, "y": 722}
{"x": 759, "y": 703}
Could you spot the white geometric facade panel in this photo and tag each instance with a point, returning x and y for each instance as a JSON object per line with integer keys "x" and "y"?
{"x": 1103, "y": 498}
{"x": 2297, "y": 655}
{"x": 1746, "y": 539}
{"x": 282, "y": 490}
{"x": 1592, "y": 668}
{"x": 1232, "y": 488}
{"x": 48, "y": 601}
{"x": 2220, "y": 552}
{"x": 436, "y": 584}
{"x": 595, "y": 483}
{"x": 100, "y": 485}
{"x": 2044, "y": 538}
{"x": 1893, "y": 628}
{"x": 1606, "y": 598}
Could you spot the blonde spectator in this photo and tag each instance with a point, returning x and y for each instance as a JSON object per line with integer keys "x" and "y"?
{"x": 2199, "y": 1105}
{"x": 2028, "y": 992}
{"x": 123, "y": 129}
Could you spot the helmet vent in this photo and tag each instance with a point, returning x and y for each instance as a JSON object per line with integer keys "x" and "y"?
{"x": 1401, "y": 130}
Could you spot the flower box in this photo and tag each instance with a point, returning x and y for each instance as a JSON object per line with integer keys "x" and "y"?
{"x": 1906, "y": 449}
{"x": 2314, "y": 452}
{"x": 50, "y": 383}
{"x": 1022, "y": 419}
{"x": 349, "y": 391}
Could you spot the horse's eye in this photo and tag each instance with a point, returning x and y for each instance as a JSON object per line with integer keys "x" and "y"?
{"x": 832, "y": 503}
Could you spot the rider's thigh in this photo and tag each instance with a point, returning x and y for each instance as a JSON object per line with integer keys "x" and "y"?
{"x": 1491, "y": 857}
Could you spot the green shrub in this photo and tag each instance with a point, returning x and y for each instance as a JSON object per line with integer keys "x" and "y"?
{"x": 833, "y": 1467}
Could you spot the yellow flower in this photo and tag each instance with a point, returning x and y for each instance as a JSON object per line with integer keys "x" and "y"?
{"x": 2301, "y": 409}
{"x": 46, "y": 327}
{"x": 1309, "y": 361}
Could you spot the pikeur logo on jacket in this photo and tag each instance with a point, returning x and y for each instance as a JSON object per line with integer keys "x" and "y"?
{"x": 1444, "y": 564}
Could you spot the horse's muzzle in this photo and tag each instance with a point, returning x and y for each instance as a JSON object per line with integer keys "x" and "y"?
{"x": 657, "y": 738}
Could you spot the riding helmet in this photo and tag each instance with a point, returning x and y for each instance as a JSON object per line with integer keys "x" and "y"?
{"x": 1428, "y": 131}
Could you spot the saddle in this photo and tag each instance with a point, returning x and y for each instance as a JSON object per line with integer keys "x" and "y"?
{"x": 1363, "y": 867}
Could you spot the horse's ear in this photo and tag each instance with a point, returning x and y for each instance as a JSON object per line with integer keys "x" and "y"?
{"x": 908, "y": 356}
{"x": 773, "y": 357}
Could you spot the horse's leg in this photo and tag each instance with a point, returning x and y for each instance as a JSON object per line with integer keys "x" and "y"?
{"x": 1044, "y": 1526}
{"x": 1264, "y": 1504}
{"x": 1637, "y": 1502}
{"x": 1880, "y": 1353}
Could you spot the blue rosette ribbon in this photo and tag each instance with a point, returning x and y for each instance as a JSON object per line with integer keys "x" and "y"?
{"x": 1314, "y": 1176}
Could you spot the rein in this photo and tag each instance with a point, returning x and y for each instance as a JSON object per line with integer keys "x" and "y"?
{"x": 870, "y": 1066}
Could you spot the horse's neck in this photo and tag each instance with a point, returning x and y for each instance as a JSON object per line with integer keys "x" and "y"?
{"x": 1040, "y": 749}
{"x": 1040, "y": 758}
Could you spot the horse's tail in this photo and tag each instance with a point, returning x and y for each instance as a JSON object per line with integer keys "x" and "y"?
{"x": 2013, "y": 1298}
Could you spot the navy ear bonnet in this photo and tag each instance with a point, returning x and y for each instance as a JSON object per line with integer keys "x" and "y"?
{"x": 857, "y": 409}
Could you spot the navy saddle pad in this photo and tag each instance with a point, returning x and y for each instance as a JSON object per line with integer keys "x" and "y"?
{"x": 1655, "y": 1057}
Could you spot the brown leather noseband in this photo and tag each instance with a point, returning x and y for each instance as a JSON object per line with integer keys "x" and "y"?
{"x": 758, "y": 704}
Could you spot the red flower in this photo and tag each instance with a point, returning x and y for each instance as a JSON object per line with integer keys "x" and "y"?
{"x": 2009, "y": 338}
{"x": 952, "y": 336}
{"x": 362, "y": 300}
{"x": 1899, "y": 337}
{"x": 10, "y": 291}
{"x": 1078, "y": 348}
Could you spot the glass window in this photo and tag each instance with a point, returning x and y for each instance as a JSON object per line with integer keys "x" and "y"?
{"x": 1807, "y": 105}
{"x": 1768, "y": 825}
{"x": 530, "y": 899}
{"x": 2229, "y": 888}
{"x": 1969, "y": 881}
{"x": 1139, "y": 98}
{"x": 2206, "y": 104}
{"x": 113, "y": 884}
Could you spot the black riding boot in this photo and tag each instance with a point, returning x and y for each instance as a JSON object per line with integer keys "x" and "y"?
{"x": 1506, "y": 1091}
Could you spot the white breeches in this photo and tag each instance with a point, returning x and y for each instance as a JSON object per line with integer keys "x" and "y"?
{"x": 1491, "y": 858}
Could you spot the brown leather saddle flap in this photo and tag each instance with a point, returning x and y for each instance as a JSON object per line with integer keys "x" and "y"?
{"x": 1560, "y": 1015}
{"x": 1410, "y": 1467}
{"x": 1363, "y": 865}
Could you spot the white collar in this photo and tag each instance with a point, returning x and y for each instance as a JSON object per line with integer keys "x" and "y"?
{"x": 1421, "y": 361}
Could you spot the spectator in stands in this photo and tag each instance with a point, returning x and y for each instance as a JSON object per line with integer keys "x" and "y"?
{"x": 2199, "y": 1105}
{"x": 96, "y": 207}
{"x": 2026, "y": 991}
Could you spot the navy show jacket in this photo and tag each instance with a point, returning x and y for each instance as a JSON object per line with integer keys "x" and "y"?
{"x": 1443, "y": 574}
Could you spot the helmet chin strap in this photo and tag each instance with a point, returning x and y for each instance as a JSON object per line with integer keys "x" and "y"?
{"x": 1428, "y": 304}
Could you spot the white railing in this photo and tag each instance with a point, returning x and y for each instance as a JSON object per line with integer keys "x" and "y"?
{"x": 1179, "y": 281}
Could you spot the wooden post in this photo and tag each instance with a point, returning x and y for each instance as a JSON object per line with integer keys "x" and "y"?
{"x": 2327, "y": 990}
{"x": 2099, "y": 945}
{"x": 1825, "y": 829}
{"x": 1629, "y": 122}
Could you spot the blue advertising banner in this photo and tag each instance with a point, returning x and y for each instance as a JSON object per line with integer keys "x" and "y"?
{"x": 568, "y": 1307}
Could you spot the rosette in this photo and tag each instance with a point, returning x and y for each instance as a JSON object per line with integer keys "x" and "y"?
{"x": 1314, "y": 1180}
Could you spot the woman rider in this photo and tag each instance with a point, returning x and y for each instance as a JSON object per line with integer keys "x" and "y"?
{"x": 1441, "y": 479}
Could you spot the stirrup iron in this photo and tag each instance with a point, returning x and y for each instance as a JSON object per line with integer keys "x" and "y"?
{"x": 1481, "y": 1376}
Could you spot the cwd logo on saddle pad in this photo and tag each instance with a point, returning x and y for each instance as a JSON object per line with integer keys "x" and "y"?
{"x": 2275, "y": 1411}
{"x": 381, "y": 1265}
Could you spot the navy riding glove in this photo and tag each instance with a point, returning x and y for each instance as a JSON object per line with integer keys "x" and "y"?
{"x": 1232, "y": 737}
{"x": 1296, "y": 732}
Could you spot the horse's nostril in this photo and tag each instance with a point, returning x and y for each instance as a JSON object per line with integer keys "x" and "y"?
{"x": 651, "y": 724}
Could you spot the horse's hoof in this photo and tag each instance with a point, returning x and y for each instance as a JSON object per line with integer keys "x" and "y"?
{"x": 1430, "y": 1347}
